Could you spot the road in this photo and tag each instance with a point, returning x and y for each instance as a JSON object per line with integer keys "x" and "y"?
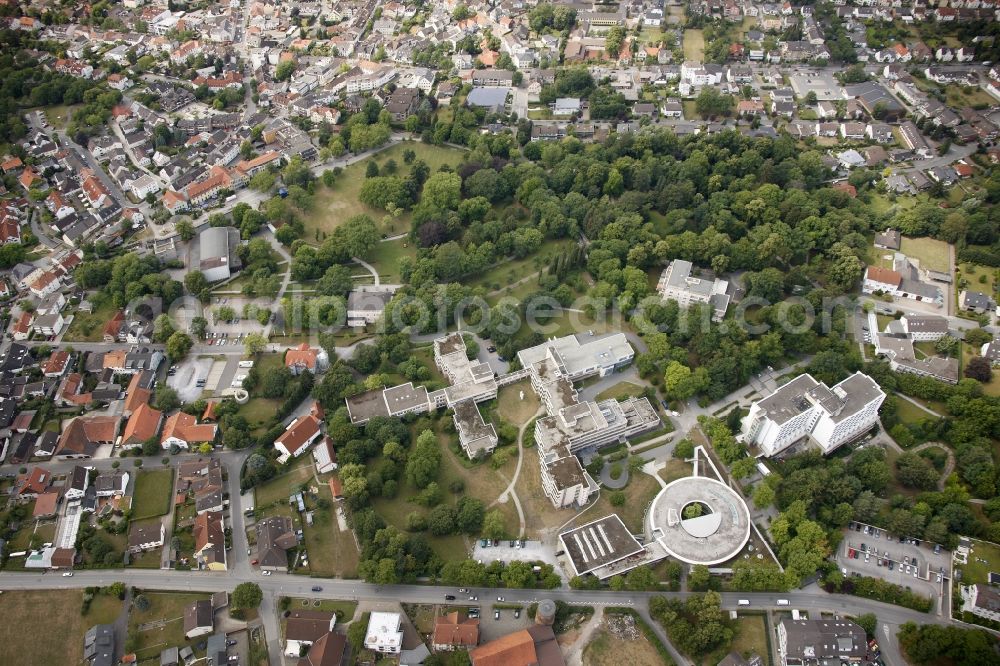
{"x": 278, "y": 584}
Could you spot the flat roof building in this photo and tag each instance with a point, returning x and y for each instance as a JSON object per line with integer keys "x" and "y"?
{"x": 818, "y": 642}
{"x": 806, "y": 408}
{"x": 677, "y": 284}
{"x": 217, "y": 252}
{"x": 713, "y": 533}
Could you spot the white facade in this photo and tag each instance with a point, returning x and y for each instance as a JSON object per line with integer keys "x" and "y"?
{"x": 385, "y": 633}
{"x": 804, "y": 407}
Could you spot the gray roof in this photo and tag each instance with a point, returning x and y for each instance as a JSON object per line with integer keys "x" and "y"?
{"x": 816, "y": 641}
{"x": 488, "y": 97}
{"x": 214, "y": 245}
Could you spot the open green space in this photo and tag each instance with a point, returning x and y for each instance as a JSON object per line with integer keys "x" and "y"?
{"x": 52, "y": 613}
{"x": 104, "y": 609}
{"x": 385, "y": 257}
{"x": 343, "y": 609}
{"x": 750, "y": 635}
{"x": 89, "y": 327}
{"x": 331, "y": 552}
{"x": 978, "y": 278}
{"x": 278, "y": 489}
{"x": 162, "y": 625}
{"x": 910, "y": 413}
{"x": 332, "y": 206}
{"x": 60, "y": 115}
{"x": 975, "y": 571}
{"x": 932, "y": 254}
{"x": 503, "y": 276}
{"x": 639, "y": 492}
{"x": 621, "y": 391}
{"x": 694, "y": 45}
{"x": 512, "y": 408}
{"x": 606, "y": 649}
{"x": 153, "y": 492}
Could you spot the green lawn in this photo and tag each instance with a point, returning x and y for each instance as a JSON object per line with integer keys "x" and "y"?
{"x": 278, "y": 489}
{"x": 331, "y": 552}
{"x": 167, "y": 610}
{"x": 694, "y": 45}
{"x": 343, "y": 609}
{"x": 104, "y": 609}
{"x": 502, "y": 275}
{"x": 153, "y": 492}
{"x": 259, "y": 412}
{"x": 977, "y": 572}
{"x": 930, "y": 252}
{"x": 909, "y": 413}
{"x": 639, "y": 492}
{"x": 512, "y": 408}
{"x": 978, "y": 278}
{"x": 89, "y": 327}
{"x": 386, "y": 255}
{"x": 334, "y": 205}
{"x": 750, "y": 636}
{"x": 620, "y": 391}
{"x": 59, "y": 116}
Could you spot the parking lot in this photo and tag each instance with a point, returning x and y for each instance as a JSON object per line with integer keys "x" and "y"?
{"x": 877, "y": 554}
{"x": 531, "y": 551}
{"x": 189, "y": 373}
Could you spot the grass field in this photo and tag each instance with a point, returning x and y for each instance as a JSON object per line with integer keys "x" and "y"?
{"x": 910, "y": 413}
{"x": 331, "y": 552}
{"x": 34, "y": 615}
{"x": 639, "y": 492}
{"x": 59, "y": 116}
{"x": 930, "y": 252}
{"x": 386, "y": 255}
{"x": 89, "y": 327}
{"x": 694, "y": 45}
{"x": 334, "y": 205}
{"x": 167, "y": 607}
{"x": 620, "y": 391}
{"x": 501, "y": 276}
{"x": 153, "y": 490}
{"x": 280, "y": 487}
{"x": 975, "y": 571}
{"x": 343, "y": 609}
{"x": 605, "y": 649}
{"x": 510, "y": 406}
{"x": 979, "y": 278}
{"x": 104, "y": 609}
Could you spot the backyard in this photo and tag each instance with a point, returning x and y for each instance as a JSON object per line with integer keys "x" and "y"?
{"x": 694, "y": 45}
{"x": 331, "y": 551}
{"x": 343, "y": 609}
{"x": 334, "y": 205}
{"x": 56, "y": 614}
{"x": 89, "y": 327}
{"x": 153, "y": 492}
{"x": 278, "y": 489}
{"x": 932, "y": 254}
{"x": 750, "y": 636}
{"x": 162, "y": 625}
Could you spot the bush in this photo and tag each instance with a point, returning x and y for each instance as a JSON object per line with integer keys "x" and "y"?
{"x": 880, "y": 590}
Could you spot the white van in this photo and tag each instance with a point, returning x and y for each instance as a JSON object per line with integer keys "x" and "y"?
{"x": 743, "y": 602}
{"x": 782, "y": 602}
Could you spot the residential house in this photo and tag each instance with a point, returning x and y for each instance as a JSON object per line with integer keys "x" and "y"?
{"x": 210, "y": 541}
{"x": 455, "y": 631}
{"x": 183, "y": 430}
{"x": 142, "y": 538}
{"x": 297, "y": 438}
{"x": 274, "y": 538}
{"x": 199, "y": 619}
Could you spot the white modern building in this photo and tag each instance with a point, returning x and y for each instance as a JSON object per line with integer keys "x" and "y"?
{"x": 385, "y": 633}
{"x": 982, "y": 601}
{"x": 217, "y": 250}
{"x": 677, "y": 284}
{"x": 805, "y": 407}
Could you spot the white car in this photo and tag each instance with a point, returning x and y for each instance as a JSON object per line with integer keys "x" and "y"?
{"x": 67, "y": 574}
{"x": 266, "y": 573}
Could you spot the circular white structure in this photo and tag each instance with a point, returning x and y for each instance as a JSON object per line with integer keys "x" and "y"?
{"x": 241, "y": 396}
{"x": 713, "y": 532}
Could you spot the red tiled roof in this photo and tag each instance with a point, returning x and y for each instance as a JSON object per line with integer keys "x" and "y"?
{"x": 883, "y": 275}
{"x": 301, "y": 431}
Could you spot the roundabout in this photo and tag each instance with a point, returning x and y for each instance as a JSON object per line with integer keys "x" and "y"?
{"x": 699, "y": 520}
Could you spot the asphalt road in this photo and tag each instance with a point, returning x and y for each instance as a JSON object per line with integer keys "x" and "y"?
{"x": 811, "y": 600}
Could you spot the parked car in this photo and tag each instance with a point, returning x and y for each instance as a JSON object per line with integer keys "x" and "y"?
{"x": 266, "y": 573}
{"x": 496, "y": 615}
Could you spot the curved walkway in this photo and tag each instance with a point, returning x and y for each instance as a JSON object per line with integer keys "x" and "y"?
{"x": 369, "y": 268}
{"x": 949, "y": 465}
{"x": 509, "y": 491}
{"x": 612, "y": 483}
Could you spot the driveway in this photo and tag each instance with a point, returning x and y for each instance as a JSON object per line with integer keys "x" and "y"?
{"x": 185, "y": 382}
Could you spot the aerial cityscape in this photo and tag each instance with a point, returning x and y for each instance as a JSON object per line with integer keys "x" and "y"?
{"x": 500, "y": 333}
